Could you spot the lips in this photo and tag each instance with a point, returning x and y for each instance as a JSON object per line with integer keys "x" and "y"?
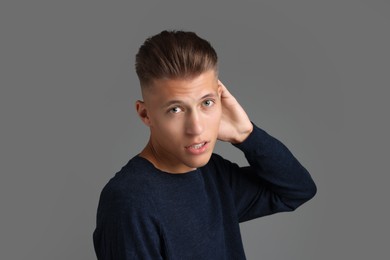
{"x": 197, "y": 148}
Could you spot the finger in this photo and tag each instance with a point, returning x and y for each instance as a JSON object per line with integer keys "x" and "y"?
{"x": 225, "y": 91}
{"x": 221, "y": 84}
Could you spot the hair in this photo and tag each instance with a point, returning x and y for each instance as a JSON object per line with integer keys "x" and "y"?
{"x": 173, "y": 55}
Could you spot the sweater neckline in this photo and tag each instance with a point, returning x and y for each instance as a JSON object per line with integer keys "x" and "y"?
{"x": 176, "y": 175}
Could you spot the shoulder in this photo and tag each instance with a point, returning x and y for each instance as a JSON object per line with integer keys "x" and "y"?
{"x": 131, "y": 184}
{"x": 220, "y": 163}
{"x": 221, "y": 168}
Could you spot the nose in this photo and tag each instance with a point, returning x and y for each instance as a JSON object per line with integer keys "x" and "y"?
{"x": 194, "y": 123}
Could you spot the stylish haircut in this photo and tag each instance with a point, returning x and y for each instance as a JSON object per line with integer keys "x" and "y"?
{"x": 173, "y": 55}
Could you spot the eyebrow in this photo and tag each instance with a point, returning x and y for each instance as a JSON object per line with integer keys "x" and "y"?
{"x": 171, "y": 102}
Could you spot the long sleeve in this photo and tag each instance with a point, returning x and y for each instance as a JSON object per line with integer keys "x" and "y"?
{"x": 274, "y": 182}
{"x": 145, "y": 213}
{"x": 125, "y": 228}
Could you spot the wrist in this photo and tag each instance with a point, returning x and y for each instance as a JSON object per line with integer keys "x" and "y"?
{"x": 243, "y": 135}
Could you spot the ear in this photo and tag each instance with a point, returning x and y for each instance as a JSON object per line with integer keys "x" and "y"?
{"x": 142, "y": 112}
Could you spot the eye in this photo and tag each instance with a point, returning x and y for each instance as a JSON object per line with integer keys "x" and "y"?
{"x": 175, "y": 110}
{"x": 208, "y": 103}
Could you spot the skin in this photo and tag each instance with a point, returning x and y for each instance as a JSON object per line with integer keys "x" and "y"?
{"x": 184, "y": 112}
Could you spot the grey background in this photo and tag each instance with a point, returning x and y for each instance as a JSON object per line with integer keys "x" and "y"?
{"x": 314, "y": 74}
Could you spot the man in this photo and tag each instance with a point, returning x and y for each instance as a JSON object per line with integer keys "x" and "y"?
{"x": 176, "y": 199}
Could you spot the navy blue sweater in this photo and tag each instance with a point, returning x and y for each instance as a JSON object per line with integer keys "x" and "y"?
{"x": 145, "y": 213}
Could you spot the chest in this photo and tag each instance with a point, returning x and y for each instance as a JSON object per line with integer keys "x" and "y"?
{"x": 193, "y": 216}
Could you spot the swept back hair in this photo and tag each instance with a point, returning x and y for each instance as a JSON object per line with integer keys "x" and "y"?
{"x": 173, "y": 55}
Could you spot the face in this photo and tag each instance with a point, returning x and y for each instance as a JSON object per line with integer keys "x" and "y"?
{"x": 183, "y": 116}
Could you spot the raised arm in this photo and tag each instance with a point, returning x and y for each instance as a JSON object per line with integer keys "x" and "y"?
{"x": 274, "y": 181}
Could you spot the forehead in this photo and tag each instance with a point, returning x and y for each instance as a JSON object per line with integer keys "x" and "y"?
{"x": 187, "y": 89}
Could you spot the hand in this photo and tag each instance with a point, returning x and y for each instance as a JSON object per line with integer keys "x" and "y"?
{"x": 235, "y": 125}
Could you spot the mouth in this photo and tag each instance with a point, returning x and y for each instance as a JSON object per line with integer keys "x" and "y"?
{"x": 197, "y": 148}
{"x": 197, "y": 145}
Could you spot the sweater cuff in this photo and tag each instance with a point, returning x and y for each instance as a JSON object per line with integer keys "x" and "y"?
{"x": 256, "y": 138}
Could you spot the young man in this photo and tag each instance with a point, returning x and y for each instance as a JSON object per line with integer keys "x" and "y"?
{"x": 176, "y": 199}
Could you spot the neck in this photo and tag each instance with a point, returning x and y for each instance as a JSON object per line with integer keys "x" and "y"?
{"x": 151, "y": 154}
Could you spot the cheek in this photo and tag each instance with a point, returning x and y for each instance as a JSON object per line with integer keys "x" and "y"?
{"x": 217, "y": 114}
{"x": 167, "y": 128}
{"x": 214, "y": 119}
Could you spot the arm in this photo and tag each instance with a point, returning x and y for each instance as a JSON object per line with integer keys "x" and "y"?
{"x": 125, "y": 229}
{"x": 275, "y": 181}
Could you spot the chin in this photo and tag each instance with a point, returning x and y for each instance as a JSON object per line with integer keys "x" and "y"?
{"x": 199, "y": 162}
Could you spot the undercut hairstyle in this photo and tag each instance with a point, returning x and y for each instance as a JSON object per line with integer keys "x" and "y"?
{"x": 174, "y": 55}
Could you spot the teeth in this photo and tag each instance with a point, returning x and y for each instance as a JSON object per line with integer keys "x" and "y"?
{"x": 197, "y": 146}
